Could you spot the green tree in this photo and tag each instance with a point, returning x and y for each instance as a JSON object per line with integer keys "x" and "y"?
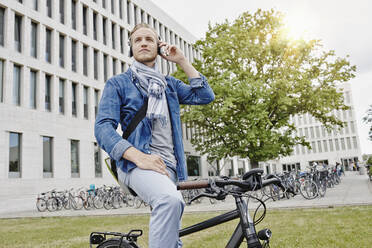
{"x": 368, "y": 119}
{"x": 369, "y": 161}
{"x": 261, "y": 78}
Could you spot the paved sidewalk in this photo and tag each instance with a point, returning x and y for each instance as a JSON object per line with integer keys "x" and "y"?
{"x": 354, "y": 189}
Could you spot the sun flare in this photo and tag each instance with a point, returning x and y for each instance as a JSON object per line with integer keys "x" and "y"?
{"x": 296, "y": 27}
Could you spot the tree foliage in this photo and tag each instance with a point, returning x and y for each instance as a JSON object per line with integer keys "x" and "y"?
{"x": 368, "y": 119}
{"x": 261, "y": 78}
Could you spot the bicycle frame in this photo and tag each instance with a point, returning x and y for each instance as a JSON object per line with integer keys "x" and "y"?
{"x": 245, "y": 228}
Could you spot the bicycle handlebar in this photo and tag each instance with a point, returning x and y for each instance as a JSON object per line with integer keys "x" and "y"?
{"x": 224, "y": 182}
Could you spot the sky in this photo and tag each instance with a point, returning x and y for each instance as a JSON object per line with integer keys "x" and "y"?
{"x": 341, "y": 25}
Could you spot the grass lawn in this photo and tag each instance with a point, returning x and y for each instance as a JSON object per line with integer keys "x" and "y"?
{"x": 328, "y": 227}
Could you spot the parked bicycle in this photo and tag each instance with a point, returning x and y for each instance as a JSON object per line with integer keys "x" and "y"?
{"x": 218, "y": 189}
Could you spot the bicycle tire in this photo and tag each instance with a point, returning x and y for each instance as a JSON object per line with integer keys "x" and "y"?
{"x": 107, "y": 204}
{"x": 322, "y": 188}
{"x": 98, "y": 202}
{"x": 52, "y": 204}
{"x": 129, "y": 200}
{"x": 309, "y": 190}
{"x": 77, "y": 202}
{"x": 137, "y": 202}
{"x": 41, "y": 205}
{"x": 114, "y": 243}
{"x": 116, "y": 200}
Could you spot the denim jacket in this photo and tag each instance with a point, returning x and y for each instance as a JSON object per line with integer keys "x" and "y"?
{"x": 122, "y": 98}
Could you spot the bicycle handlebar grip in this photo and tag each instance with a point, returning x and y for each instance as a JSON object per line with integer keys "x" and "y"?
{"x": 193, "y": 185}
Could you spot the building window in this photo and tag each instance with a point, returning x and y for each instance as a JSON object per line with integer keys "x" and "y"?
{"x": 61, "y": 102}
{"x": 319, "y": 146}
{"x": 135, "y": 15}
{"x": 73, "y": 14}
{"x": 73, "y": 98}
{"x": 352, "y": 127}
{"x": 113, "y": 34}
{"x": 325, "y": 146}
{"x": 121, "y": 9}
{"x": 75, "y": 170}
{"x": 85, "y": 60}
{"x": 306, "y": 132}
{"x": 128, "y": 12}
{"x": 97, "y": 160}
{"x": 143, "y": 16}
{"x": 105, "y": 67}
{"x": 121, "y": 39}
{"x": 48, "y": 82}
{"x": 193, "y": 166}
{"x": 18, "y": 33}
{"x": 85, "y": 20}
{"x": 313, "y": 147}
{"x": 2, "y": 25}
{"x": 61, "y": 50}
{"x": 73, "y": 55}
{"x": 317, "y": 131}
{"x": 47, "y": 156}
{"x": 62, "y": 11}
{"x": 15, "y": 140}
{"x": 312, "y": 132}
{"x": 104, "y": 4}
{"x": 85, "y": 99}
{"x": 355, "y": 143}
{"x": 49, "y": 8}
{"x": 95, "y": 64}
{"x": 113, "y": 7}
{"x": 48, "y": 46}
{"x": 36, "y": 5}
{"x": 330, "y": 145}
{"x": 1, "y": 80}
{"x": 343, "y": 144}
{"x": 34, "y": 39}
{"x": 95, "y": 19}
{"x": 96, "y": 101}
{"x": 33, "y": 87}
{"x": 114, "y": 62}
{"x": 17, "y": 85}
{"x": 337, "y": 145}
{"x": 348, "y": 143}
{"x": 104, "y": 24}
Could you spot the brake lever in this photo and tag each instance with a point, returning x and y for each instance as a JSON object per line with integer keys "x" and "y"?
{"x": 218, "y": 196}
{"x": 198, "y": 196}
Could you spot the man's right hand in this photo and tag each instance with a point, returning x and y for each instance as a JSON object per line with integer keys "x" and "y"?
{"x": 146, "y": 161}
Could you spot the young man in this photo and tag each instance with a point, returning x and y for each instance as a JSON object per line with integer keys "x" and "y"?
{"x": 152, "y": 159}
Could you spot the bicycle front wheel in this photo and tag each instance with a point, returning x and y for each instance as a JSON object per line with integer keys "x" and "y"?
{"x": 309, "y": 190}
{"x": 115, "y": 242}
{"x": 41, "y": 205}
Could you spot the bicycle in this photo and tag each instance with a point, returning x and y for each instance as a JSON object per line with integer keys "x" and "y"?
{"x": 218, "y": 189}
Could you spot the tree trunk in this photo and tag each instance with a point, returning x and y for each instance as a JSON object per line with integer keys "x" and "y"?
{"x": 254, "y": 163}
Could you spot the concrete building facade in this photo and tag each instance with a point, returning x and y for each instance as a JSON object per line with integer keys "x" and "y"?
{"x": 55, "y": 57}
{"x": 328, "y": 146}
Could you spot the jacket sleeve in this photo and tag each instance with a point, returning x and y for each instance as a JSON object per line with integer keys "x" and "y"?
{"x": 107, "y": 121}
{"x": 197, "y": 93}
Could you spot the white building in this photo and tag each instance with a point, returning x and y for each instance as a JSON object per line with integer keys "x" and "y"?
{"x": 329, "y": 147}
{"x": 54, "y": 59}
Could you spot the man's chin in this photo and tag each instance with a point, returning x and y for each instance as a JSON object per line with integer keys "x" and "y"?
{"x": 145, "y": 59}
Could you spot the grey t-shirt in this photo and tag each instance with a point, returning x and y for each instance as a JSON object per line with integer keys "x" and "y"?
{"x": 162, "y": 141}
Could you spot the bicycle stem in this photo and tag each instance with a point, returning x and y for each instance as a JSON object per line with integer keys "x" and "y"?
{"x": 247, "y": 224}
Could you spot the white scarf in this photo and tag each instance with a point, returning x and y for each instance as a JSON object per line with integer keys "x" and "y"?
{"x": 155, "y": 84}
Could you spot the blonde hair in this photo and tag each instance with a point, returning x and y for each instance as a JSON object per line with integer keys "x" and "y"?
{"x": 142, "y": 25}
